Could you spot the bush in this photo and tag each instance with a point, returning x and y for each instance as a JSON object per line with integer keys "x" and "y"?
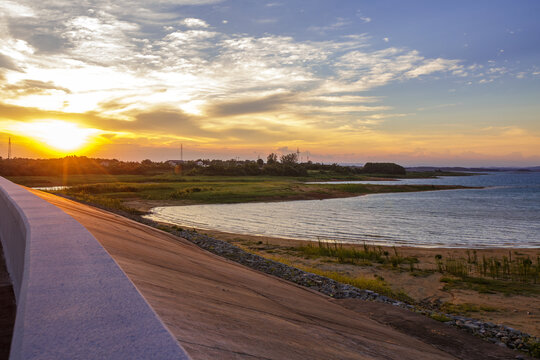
{"x": 384, "y": 168}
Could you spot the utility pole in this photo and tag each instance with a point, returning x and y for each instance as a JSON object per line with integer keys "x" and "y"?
{"x": 9, "y": 149}
{"x": 182, "y": 152}
{"x": 298, "y": 155}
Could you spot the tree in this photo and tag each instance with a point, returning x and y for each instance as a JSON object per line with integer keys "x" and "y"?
{"x": 289, "y": 159}
{"x": 384, "y": 168}
{"x": 271, "y": 159}
{"x": 260, "y": 162}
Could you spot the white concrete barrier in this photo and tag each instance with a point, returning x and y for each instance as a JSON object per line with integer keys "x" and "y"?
{"x": 73, "y": 300}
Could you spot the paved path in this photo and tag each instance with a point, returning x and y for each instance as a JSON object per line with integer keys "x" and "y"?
{"x": 221, "y": 310}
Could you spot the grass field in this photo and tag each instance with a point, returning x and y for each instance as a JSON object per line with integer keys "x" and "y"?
{"x": 115, "y": 190}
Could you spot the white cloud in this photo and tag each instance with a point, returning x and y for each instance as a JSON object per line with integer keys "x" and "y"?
{"x": 365, "y": 70}
{"x": 430, "y": 66}
{"x": 15, "y": 9}
{"x": 194, "y": 23}
{"x": 363, "y": 18}
{"x": 338, "y": 24}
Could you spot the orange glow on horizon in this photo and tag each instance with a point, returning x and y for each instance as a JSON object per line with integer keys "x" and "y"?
{"x": 57, "y": 137}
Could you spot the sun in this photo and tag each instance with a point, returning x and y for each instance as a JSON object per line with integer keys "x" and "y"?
{"x": 59, "y": 135}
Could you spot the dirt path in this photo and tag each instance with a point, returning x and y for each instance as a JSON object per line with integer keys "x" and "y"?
{"x": 218, "y": 309}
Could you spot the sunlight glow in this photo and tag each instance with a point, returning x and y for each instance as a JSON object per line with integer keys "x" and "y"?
{"x": 58, "y": 134}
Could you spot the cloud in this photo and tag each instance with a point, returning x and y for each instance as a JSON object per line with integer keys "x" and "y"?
{"x": 32, "y": 87}
{"x": 366, "y": 70}
{"x": 430, "y": 66}
{"x": 15, "y": 9}
{"x": 249, "y": 106}
{"x": 7, "y": 63}
{"x": 194, "y": 23}
{"x": 338, "y": 24}
{"x": 132, "y": 68}
{"x": 363, "y": 18}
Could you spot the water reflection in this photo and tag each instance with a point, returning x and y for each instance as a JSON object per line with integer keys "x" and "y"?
{"x": 505, "y": 214}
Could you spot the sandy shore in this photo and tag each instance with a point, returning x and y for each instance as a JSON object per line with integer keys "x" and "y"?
{"x": 218, "y": 309}
{"x": 520, "y": 312}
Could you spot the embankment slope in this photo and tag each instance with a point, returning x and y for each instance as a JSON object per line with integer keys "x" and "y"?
{"x": 218, "y": 309}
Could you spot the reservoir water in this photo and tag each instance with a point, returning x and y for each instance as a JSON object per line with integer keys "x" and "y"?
{"x": 505, "y": 213}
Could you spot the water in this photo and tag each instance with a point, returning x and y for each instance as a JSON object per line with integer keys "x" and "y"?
{"x": 505, "y": 213}
{"x": 51, "y": 188}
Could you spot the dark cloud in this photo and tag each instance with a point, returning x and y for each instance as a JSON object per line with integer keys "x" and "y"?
{"x": 170, "y": 122}
{"x": 6, "y": 63}
{"x": 32, "y": 87}
{"x": 249, "y": 106}
{"x": 166, "y": 120}
{"x": 47, "y": 43}
{"x": 42, "y": 33}
{"x": 160, "y": 122}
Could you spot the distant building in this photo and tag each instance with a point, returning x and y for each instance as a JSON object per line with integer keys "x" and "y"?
{"x": 181, "y": 162}
{"x": 174, "y": 162}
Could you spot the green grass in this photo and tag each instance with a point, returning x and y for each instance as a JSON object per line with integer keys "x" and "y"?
{"x": 206, "y": 189}
{"x": 354, "y": 255}
{"x": 374, "y": 189}
{"x": 466, "y": 308}
{"x": 512, "y": 268}
{"x": 344, "y": 254}
{"x": 375, "y": 284}
{"x": 439, "y": 317}
{"x": 108, "y": 203}
{"x": 71, "y": 180}
{"x": 116, "y": 187}
{"x": 491, "y": 286}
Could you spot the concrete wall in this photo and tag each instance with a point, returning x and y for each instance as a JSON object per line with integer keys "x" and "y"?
{"x": 73, "y": 301}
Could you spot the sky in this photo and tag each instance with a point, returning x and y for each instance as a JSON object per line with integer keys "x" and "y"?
{"x": 418, "y": 82}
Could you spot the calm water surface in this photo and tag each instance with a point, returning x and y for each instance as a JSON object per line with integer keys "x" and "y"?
{"x": 506, "y": 213}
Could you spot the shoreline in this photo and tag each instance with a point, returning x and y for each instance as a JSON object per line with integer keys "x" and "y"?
{"x": 424, "y": 285}
{"x": 514, "y": 311}
{"x": 196, "y": 292}
{"x": 475, "y": 323}
{"x": 302, "y": 194}
{"x": 300, "y": 241}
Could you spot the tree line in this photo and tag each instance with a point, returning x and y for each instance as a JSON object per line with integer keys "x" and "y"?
{"x": 284, "y": 165}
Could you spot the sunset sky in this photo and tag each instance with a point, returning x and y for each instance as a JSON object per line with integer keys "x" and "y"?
{"x": 414, "y": 82}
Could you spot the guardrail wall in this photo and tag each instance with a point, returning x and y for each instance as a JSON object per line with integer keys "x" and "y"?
{"x": 73, "y": 300}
